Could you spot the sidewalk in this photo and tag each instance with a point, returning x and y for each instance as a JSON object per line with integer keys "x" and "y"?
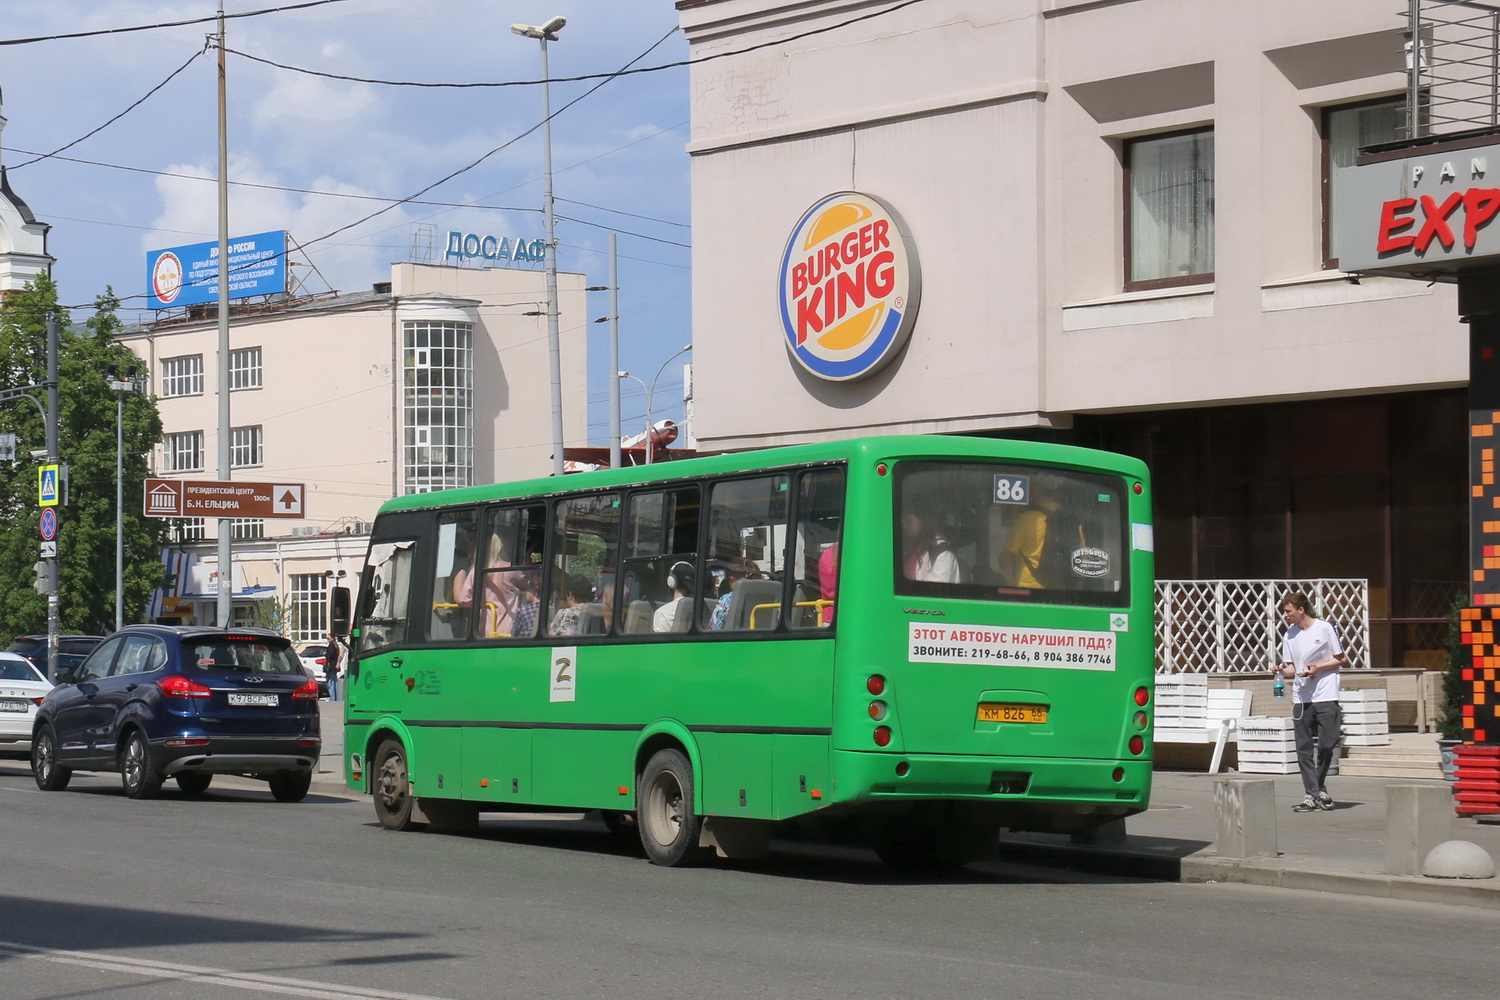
{"x": 1338, "y": 851}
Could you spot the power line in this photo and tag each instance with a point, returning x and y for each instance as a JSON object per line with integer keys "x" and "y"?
{"x": 576, "y": 79}
{"x": 122, "y": 114}
{"x": 166, "y": 24}
{"x": 616, "y": 211}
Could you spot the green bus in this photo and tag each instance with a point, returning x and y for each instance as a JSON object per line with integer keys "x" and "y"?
{"x": 920, "y": 640}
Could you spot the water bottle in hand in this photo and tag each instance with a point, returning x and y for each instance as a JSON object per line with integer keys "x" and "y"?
{"x": 1279, "y": 688}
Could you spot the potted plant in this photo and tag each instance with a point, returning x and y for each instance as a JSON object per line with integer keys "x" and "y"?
{"x": 1450, "y": 709}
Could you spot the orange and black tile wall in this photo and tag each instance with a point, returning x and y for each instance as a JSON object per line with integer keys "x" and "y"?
{"x": 1479, "y": 622}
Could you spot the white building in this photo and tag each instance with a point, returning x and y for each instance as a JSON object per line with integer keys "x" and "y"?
{"x": 1121, "y": 217}
{"x": 437, "y": 378}
{"x": 23, "y": 240}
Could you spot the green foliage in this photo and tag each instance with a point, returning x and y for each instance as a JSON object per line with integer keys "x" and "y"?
{"x": 274, "y": 613}
{"x": 86, "y": 442}
{"x": 1450, "y": 711}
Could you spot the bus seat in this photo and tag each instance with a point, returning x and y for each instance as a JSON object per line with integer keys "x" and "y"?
{"x": 746, "y": 596}
{"x": 804, "y": 611}
{"x": 591, "y": 622}
{"x": 638, "y": 617}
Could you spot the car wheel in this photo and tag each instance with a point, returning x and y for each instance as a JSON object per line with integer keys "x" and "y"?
{"x": 193, "y": 784}
{"x": 290, "y": 786}
{"x": 137, "y": 774}
{"x": 49, "y": 774}
{"x": 393, "y": 798}
{"x": 669, "y": 827}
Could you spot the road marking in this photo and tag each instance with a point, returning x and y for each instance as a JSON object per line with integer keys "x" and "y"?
{"x": 205, "y": 974}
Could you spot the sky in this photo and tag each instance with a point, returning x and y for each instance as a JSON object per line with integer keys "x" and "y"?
{"x": 300, "y": 144}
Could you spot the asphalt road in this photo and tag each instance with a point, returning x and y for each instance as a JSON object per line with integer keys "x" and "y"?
{"x": 235, "y": 896}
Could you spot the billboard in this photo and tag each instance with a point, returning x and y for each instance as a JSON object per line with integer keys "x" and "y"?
{"x": 185, "y": 276}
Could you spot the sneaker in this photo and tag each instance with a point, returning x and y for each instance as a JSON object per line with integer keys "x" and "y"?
{"x": 1325, "y": 801}
{"x": 1307, "y": 805}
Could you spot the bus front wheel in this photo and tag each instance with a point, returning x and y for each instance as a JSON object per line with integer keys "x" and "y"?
{"x": 669, "y": 827}
{"x": 393, "y": 798}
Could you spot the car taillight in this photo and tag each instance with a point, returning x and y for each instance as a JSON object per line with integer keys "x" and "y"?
{"x": 37, "y": 700}
{"x": 307, "y": 692}
{"x": 178, "y": 686}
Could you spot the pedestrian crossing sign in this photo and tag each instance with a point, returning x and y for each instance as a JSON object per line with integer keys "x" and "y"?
{"x": 46, "y": 486}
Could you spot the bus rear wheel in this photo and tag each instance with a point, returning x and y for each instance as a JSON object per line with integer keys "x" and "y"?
{"x": 393, "y": 799}
{"x": 669, "y": 827}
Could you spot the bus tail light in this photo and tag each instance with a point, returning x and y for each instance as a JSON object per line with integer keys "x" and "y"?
{"x": 1142, "y": 695}
{"x": 1119, "y": 774}
{"x": 1137, "y": 745}
{"x": 1140, "y": 720}
{"x": 875, "y": 685}
{"x": 882, "y": 736}
{"x": 178, "y": 686}
{"x": 877, "y": 710}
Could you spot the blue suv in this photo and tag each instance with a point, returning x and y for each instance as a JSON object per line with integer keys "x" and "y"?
{"x": 183, "y": 702}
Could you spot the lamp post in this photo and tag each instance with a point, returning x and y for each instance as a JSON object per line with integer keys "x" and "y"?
{"x": 120, "y": 387}
{"x": 548, "y": 33}
{"x": 651, "y": 395}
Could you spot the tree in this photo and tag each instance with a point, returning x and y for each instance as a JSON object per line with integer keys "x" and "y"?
{"x": 86, "y": 442}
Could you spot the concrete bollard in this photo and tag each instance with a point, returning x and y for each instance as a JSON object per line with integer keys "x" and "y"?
{"x": 1246, "y": 813}
{"x": 1417, "y": 819}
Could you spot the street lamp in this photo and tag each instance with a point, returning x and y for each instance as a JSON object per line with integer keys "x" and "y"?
{"x": 545, "y": 33}
{"x": 651, "y": 395}
{"x": 120, "y": 387}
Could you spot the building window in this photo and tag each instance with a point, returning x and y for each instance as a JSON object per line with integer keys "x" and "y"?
{"x": 438, "y": 405}
{"x": 1169, "y": 214}
{"x": 247, "y": 527}
{"x": 244, "y": 369}
{"x": 189, "y": 529}
{"x": 183, "y": 452}
{"x": 1345, "y": 130}
{"x": 309, "y": 607}
{"x": 182, "y": 376}
{"x": 246, "y": 447}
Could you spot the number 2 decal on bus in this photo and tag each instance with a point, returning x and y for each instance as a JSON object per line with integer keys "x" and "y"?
{"x": 564, "y": 672}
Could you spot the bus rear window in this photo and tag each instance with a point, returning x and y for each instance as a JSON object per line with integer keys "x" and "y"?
{"x": 993, "y": 531}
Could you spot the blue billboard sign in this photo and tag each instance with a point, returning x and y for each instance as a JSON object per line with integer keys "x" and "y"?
{"x": 185, "y": 276}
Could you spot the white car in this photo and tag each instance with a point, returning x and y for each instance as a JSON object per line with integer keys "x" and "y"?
{"x": 312, "y": 661}
{"x": 22, "y": 688}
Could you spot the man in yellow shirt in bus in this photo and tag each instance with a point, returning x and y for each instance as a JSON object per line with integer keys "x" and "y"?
{"x": 1028, "y": 536}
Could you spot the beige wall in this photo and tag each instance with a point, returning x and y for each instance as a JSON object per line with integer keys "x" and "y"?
{"x": 329, "y": 400}
{"x": 996, "y": 128}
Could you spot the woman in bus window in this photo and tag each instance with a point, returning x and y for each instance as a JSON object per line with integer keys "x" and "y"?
{"x": 928, "y": 555}
{"x": 577, "y": 593}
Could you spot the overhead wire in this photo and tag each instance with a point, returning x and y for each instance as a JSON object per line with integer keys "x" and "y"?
{"x": 213, "y": 19}
{"x": 587, "y": 76}
{"x": 122, "y": 114}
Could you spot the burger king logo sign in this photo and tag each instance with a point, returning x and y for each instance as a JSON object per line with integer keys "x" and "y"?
{"x": 850, "y": 285}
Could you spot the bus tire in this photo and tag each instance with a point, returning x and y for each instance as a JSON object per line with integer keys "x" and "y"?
{"x": 664, "y": 813}
{"x": 393, "y": 799}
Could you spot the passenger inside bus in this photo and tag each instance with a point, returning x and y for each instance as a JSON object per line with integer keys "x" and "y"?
{"x": 927, "y": 554}
{"x": 680, "y": 579}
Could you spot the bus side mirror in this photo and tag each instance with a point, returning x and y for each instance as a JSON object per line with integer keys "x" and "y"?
{"x": 339, "y": 604}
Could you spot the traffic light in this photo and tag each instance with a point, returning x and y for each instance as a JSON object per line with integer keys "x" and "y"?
{"x": 46, "y": 576}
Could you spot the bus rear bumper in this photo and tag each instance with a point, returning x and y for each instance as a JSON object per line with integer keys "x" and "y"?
{"x": 1112, "y": 786}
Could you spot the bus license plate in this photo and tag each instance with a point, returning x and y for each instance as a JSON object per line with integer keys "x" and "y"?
{"x": 994, "y": 711}
{"x": 268, "y": 700}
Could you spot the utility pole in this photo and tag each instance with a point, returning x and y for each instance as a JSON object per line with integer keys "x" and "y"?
{"x": 226, "y": 570}
{"x": 52, "y": 459}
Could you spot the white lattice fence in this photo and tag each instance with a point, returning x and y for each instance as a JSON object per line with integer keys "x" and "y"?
{"x": 1235, "y": 626}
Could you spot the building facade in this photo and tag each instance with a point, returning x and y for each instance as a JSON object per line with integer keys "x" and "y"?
{"x": 434, "y": 379}
{"x": 1119, "y": 216}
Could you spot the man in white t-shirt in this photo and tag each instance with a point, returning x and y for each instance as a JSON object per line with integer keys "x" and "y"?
{"x": 1311, "y": 654}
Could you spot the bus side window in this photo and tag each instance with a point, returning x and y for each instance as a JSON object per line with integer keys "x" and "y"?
{"x": 747, "y": 530}
{"x": 452, "y": 568}
{"x": 387, "y": 596}
{"x": 586, "y": 533}
{"x": 820, "y": 517}
{"x": 659, "y": 559}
